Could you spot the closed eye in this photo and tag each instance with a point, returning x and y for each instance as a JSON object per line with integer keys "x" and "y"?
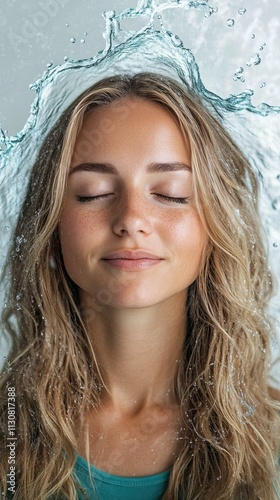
{"x": 173, "y": 199}
{"x": 85, "y": 199}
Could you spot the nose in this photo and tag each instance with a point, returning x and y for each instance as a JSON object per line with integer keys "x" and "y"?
{"x": 132, "y": 216}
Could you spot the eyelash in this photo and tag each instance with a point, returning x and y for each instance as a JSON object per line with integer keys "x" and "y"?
{"x": 87, "y": 199}
{"x": 171, "y": 198}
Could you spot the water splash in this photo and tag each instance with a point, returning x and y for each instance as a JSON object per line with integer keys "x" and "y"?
{"x": 255, "y": 128}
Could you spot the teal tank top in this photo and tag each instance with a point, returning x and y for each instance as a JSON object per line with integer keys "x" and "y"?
{"x": 109, "y": 487}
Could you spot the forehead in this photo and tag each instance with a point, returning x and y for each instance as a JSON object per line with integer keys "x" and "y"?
{"x": 127, "y": 112}
{"x": 130, "y": 125}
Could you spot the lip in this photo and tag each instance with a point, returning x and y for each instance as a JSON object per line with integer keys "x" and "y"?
{"x": 132, "y": 260}
{"x": 132, "y": 255}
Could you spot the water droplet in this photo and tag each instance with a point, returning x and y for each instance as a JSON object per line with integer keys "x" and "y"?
{"x": 176, "y": 41}
{"x": 253, "y": 35}
{"x": 238, "y": 75}
{"x": 275, "y": 244}
{"x": 242, "y": 11}
{"x": 52, "y": 263}
{"x": 255, "y": 59}
{"x": 6, "y": 228}
{"x": 262, "y": 85}
{"x": 82, "y": 40}
{"x": 72, "y": 39}
{"x": 160, "y": 21}
{"x": 210, "y": 11}
{"x": 49, "y": 65}
{"x": 66, "y": 58}
{"x": 85, "y": 33}
{"x": 230, "y": 22}
{"x": 67, "y": 25}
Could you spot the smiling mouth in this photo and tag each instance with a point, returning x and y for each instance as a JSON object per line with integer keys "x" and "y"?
{"x": 128, "y": 259}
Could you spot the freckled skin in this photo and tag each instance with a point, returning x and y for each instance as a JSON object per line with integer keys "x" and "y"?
{"x": 131, "y": 135}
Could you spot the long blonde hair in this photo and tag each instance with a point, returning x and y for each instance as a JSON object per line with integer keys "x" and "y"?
{"x": 221, "y": 387}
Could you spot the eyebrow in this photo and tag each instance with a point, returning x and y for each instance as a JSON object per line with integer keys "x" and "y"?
{"x": 107, "y": 168}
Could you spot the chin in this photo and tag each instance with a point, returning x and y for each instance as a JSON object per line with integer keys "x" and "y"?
{"x": 130, "y": 299}
{"x": 131, "y": 303}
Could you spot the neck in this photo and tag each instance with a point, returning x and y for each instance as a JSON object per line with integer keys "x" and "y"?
{"x": 138, "y": 351}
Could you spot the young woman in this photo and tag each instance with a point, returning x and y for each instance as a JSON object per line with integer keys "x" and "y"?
{"x": 137, "y": 308}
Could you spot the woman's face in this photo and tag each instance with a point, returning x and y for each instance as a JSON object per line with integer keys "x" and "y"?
{"x": 130, "y": 191}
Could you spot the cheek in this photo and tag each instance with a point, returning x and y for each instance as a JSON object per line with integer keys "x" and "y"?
{"x": 78, "y": 223}
{"x": 188, "y": 231}
{"x": 189, "y": 239}
{"x": 73, "y": 232}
